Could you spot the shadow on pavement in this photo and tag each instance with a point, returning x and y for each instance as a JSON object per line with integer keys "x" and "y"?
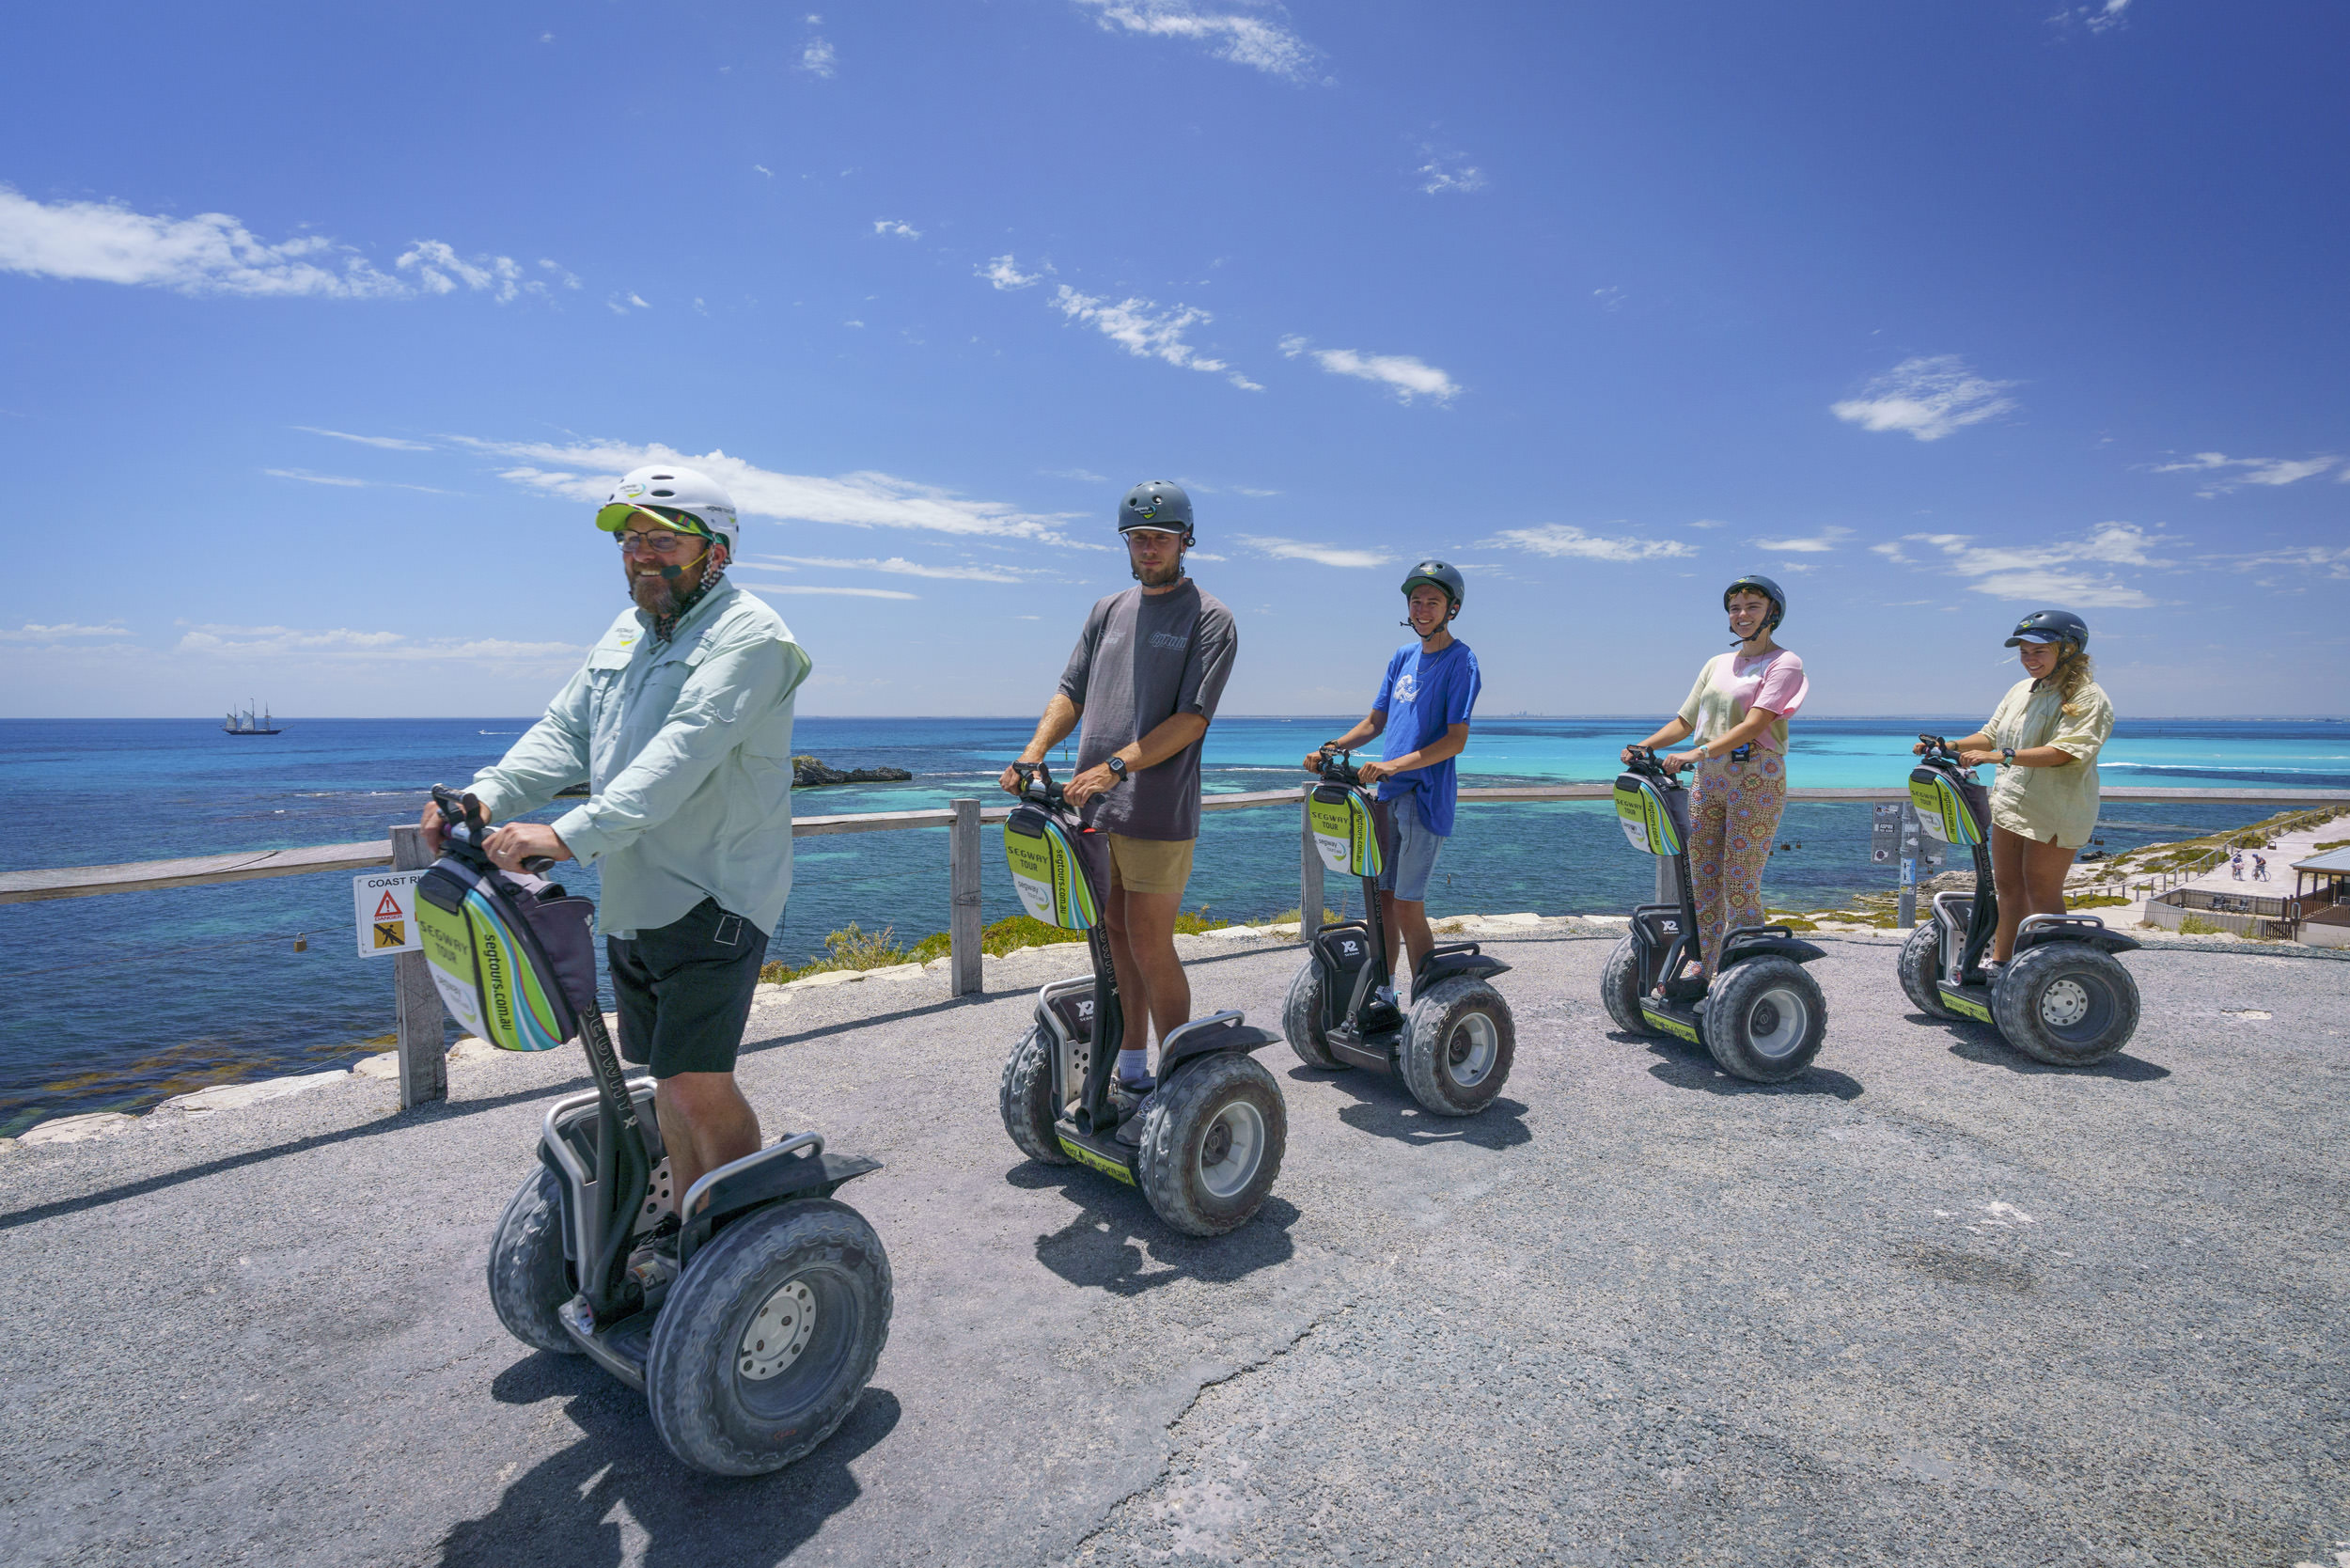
{"x": 1386, "y": 1108}
{"x": 1116, "y": 1243}
{"x": 1689, "y": 1067}
{"x": 1982, "y": 1044}
{"x": 559, "y": 1511}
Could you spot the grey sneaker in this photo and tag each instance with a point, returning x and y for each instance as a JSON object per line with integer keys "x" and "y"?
{"x": 1130, "y": 1130}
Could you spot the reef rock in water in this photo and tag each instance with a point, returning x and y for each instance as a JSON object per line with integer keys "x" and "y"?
{"x": 808, "y": 772}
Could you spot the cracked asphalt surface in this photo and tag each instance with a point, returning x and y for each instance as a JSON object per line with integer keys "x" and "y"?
{"x": 1928, "y": 1304}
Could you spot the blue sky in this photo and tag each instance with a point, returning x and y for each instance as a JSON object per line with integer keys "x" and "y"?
{"x": 321, "y": 327}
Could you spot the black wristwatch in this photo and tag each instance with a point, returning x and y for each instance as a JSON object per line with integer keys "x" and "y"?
{"x": 2009, "y": 754}
{"x": 1117, "y": 764}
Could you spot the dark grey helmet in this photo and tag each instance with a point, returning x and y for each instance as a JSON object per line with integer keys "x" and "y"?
{"x": 1443, "y": 577}
{"x": 1159, "y": 504}
{"x": 2052, "y": 626}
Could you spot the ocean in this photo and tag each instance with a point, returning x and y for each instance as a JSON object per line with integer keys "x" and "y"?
{"x": 115, "y": 1003}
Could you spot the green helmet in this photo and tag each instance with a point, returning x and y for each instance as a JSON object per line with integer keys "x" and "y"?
{"x": 1443, "y": 577}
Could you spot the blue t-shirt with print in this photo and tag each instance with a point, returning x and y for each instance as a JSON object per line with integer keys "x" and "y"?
{"x": 1423, "y": 696}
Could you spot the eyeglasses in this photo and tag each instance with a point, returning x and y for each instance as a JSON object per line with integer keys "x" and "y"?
{"x": 654, "y": 541}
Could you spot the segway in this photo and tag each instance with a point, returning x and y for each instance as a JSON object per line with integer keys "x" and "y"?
{"x": 1214, "y": 1133}
{"x": 1760, "y": 1014}
{"x": 750, "y": 1313}
{"x": 1454, "y": 1050}
{"x": 2063, "y": 998}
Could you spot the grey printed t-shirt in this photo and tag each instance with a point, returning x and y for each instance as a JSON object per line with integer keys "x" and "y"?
{"x": 1142, "y": 659}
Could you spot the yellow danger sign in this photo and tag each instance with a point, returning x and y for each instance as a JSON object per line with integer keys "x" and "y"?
{"x": 383, "y": 913}
{"x": 391, "y": 933}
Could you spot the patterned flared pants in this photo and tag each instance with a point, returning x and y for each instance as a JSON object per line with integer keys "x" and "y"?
{"x": 1733, "y": 817}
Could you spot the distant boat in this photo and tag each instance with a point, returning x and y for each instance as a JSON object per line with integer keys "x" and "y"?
{"x": 246, "y": 723}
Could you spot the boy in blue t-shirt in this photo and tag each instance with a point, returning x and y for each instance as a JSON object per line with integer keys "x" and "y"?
{"x": 1423, "y": 709}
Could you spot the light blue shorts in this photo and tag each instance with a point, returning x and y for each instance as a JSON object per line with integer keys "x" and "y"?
{"x": 1407, "y": 850}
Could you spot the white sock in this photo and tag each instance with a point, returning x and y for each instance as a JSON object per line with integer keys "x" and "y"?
{"x": 1387, "y": 993}
{"x": 1134, "y": 1066}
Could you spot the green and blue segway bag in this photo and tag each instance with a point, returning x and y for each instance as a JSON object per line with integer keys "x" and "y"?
{"x": 513, "y": 956}
{"x": 1048, "y": 870}
{"x": 1952, "y": 811}
{"x": 1654, "y": 816}
{"x": 1346, "y": 833}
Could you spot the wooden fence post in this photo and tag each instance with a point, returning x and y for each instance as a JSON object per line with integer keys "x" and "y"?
{"x": 423, "y": 1062}
{"x": 963, "y": 916}
{"x": 1309, "y": 902}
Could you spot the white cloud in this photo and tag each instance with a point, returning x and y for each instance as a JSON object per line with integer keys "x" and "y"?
{"x": 1707, "y": 523}
{"x": 619, "y": 304}
{"x": 1005, "y": 273}
{"x": 1245, "y": 34}
{"x": 1321, "y": 555}
{"x": 1609, "y": 299}
{"x": 2097, "y": 17}
{"x": 343, "y": 643}
{"x": 895, "y": 564}
{"x": 342, "y": 481}
{"x": 2056, "y": 570}
{"x": 818, "y": 58}
{"x": 209, "y": 254}
{"x": 62, "y": 632}
{"x": 388, "y": 442}
{"x": 1408, "y": 377}
{"x": 440, "y": 271}
{"x": 1142, "y": 329}
{"x": 891, "y": 226}
{"x": 1564, "y": 539}
{"x": 762, "y": 168}
{"x": 562, "y": 275}
{"x": 839, "y": 592}
{"x": 1928, "y": 398}
{"x": 586, "y": 472}
{"x": 1815, "y": 544}
{"x": 2226, "y": 473}
{"x": 1083, "y": 476}
{"x": 1440, "y": 172}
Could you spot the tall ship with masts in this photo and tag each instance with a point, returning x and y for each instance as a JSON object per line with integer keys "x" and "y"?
{"x": 247, "y": 724}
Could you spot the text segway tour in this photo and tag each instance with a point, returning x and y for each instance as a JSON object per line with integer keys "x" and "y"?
{"x": 1760, "y": 1014}
{"x": 749, "y": 1312}
{"x": 2064, "y": 998}
{"x": 1215, "y": 1128}
{"x": 1454, "y": 1049}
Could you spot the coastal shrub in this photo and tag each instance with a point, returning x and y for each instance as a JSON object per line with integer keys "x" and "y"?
{"x": 2102, "y": 900}
{"x": 857, "y": 949}
{"x": 2196, "y": 926}
{"x": 851, "y": 948}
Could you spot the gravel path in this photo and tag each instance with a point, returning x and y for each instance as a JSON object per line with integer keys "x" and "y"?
{"x": 1928, "y": 1304}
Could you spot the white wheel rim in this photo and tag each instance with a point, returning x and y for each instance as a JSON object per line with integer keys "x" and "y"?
{"x": 2065, "y": 1003}
{"x": 1470, "y": 1049}
{"x": 778, "y": 1332}
{"x": 1231, "y": 1148}
{"x": 1777, "y": 1022}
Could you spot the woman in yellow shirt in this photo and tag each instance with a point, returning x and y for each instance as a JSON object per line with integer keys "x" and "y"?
{"x": 2044, "y": 737}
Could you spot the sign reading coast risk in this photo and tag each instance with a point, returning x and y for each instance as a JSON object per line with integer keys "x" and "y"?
{"x": 384, "y": 909}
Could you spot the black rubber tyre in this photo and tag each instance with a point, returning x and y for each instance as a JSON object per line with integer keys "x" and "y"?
{"x": 1921, "y": 967}
{"x": 1212, "y": 1143}
{"x": 1027, "y": 1098}
{"x": 812, "y": 1270}
{"x": 1765, "y": 1019}
{"x": 2065, "y": 1003}
{"x": 1458, "y": 1045}
{"x": 529, "y": 1277}
{"x": 1301, "y": 1018}
{"x": 1620, "y": 989}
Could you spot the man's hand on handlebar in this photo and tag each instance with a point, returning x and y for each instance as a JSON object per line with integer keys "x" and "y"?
{"x": 1095, "y": 780}
{"x": 516, "y": 843}
{"x": 431, "y": 823}
{"x": 1011, "y": 780}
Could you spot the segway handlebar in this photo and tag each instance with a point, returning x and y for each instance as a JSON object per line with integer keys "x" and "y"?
{"x": 463, "y": 821}
{"x": 1339, "y": 767}
{"x": 1645, "y": 761}
{"x": 1036, "y": 783}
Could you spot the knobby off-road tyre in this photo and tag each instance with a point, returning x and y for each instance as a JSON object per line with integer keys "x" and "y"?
{"x": 2065, "y": 1003}
{"x": 1764, "y": 1020}
{"x": 1620, "y": 988}
{"x": 1301, "y": 1018}
{"x": 763, "y": 1347}
{"x": 1027, "y": 1098}
{"x": 1458, "y": 1045}
{"x": 529, "y": 1278}
{"x": 1212, "y": 1143}
{"x": 1920, "y": 965}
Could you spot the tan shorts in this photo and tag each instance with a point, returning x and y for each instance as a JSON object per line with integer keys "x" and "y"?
{"x": 1150, "y": 865}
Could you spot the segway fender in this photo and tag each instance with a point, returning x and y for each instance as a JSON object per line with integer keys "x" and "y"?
{"x": 2076, "y": 928}
{"x": 1458, "y": 958}
{"x": 1218, "y": 1031}
{"x": 807, "y": 1172}
{"x": 1794, "y": 948}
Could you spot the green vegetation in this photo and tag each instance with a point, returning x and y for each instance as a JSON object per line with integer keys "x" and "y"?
{"x": 857, "y": 949}
{"x": 2102, "y": 900}
{"x": 2195, "y": 925}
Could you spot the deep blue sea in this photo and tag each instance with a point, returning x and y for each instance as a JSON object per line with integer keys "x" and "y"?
{"x": 115, "y": 1002}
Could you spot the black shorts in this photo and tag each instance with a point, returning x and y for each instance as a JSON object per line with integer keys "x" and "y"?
{"x": 685, "y": 990}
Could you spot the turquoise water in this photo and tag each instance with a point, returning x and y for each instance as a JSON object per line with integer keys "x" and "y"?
{"x": 114, "y": 1002}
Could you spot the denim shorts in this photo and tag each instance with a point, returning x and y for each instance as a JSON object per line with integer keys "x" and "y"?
{"x": 1407, "y": 850}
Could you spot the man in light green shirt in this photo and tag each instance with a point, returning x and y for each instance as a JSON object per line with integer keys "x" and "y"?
{"x": 680, "y": 724}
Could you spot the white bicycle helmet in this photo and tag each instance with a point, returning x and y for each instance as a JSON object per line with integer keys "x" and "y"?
{"x": 664, "y": 488}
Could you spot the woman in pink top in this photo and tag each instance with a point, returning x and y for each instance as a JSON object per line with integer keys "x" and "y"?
{"x": 1738, "y": 711}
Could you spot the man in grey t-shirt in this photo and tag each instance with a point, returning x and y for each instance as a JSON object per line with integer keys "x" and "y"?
{"x": 1145, "y": 676}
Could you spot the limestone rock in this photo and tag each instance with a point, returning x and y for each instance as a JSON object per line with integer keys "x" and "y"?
{"x": 383, "y": 1064}
{"x": 234, "y": 1097}
{"x": 810, "y": 773}
{"x": 79, "y": 1129}
{"x": 471, "y": 1048}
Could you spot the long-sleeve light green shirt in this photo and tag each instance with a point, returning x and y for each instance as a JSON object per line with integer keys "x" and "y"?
{"x": 685, "y": 747}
